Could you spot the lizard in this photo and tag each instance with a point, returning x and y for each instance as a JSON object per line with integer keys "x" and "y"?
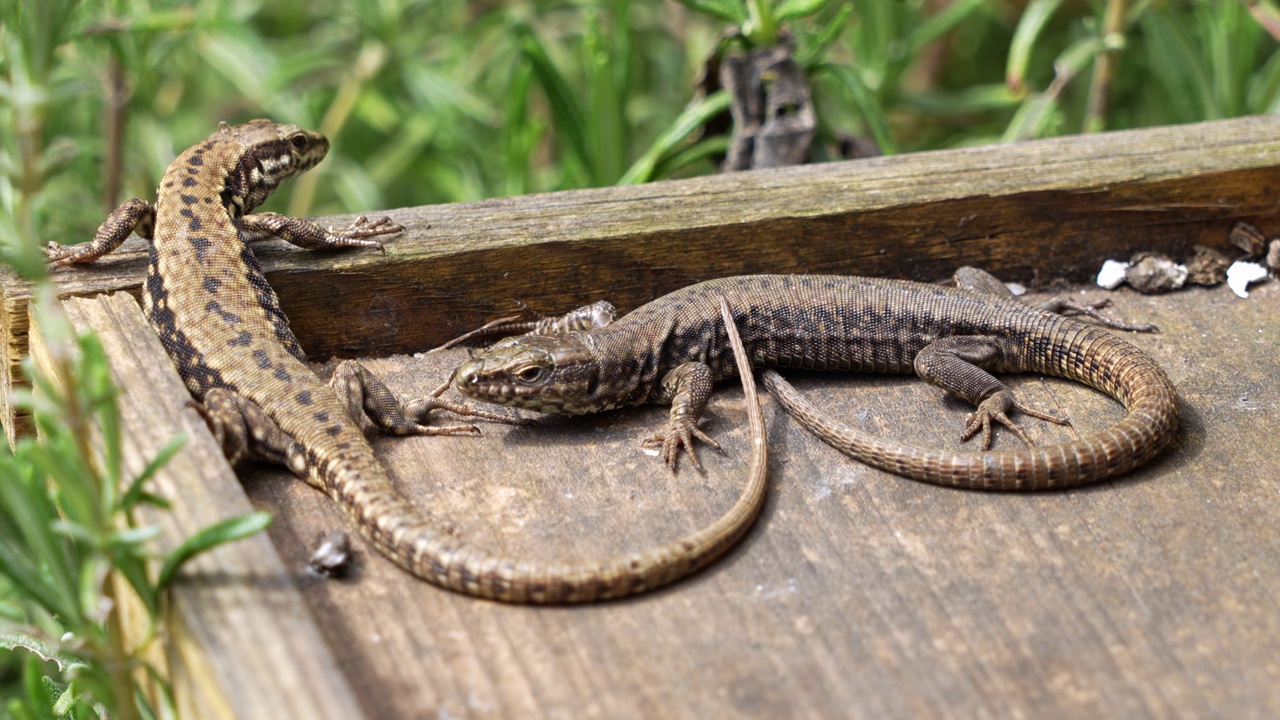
{"x": 672, "y": 350}
{"x": 221, "y": 324}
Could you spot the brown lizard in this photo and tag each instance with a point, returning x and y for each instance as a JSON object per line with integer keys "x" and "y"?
{"x": 672, "y": 350}
{"x": 221, "y": 324}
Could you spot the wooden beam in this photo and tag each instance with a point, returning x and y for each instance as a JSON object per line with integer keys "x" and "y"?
{"x": 240, "y": 641}
{"x": 1032, "y": 211}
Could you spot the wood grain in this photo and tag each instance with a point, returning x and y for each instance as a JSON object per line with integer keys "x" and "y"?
{"x": 240, "y": 642}
{"x": 859, "y": 594}
{"x": 916, "y": 216}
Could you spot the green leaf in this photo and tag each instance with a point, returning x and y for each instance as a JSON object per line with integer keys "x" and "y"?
{"x": 816, "y": 44}
{"x": 866, "y": 102}
{"x": 942, "y": 23}
{"x": 1033, "y": 20}
{"x": 695, "y": 115}
{"x": 728, "y": 10}
{"x": 791, "y": 9}
{"x": 19, "y": 640}
{"x": 566, "y": 109}
{"x": 697, "y": 152}
{"x": 1174, "y": 63}
{"x": 220, "y": 533}
{"x": 135, "y": 491}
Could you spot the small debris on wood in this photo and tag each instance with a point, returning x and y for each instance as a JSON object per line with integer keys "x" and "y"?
{"x": 333, "y": 556}
{"x": 1207, "y": 266}
{"x": 1152, "y": 272}
{"x": 1111, "y": 276}
{"x": 1249, "y": 239}
{"x": 1241, "y": 274}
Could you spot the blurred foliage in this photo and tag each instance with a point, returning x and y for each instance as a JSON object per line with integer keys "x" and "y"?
{"x": 429, "y": 101}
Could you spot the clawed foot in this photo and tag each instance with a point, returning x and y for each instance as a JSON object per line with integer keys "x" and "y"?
{"x": 676, "y": 437}
{"x": 358, "y": 232}
{"x": 996, "y": 408}
{"x": 419, "y": 409}
{"x": 1061, "y": 305}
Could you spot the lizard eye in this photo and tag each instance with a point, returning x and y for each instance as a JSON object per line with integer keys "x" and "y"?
{"x": 299, "y": 142}
{"x": 530, "y": 374}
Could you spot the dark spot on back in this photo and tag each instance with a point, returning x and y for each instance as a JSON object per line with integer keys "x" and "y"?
{"x": 333, "y": 430}
{"x": 189, "y": 199}
{"x": 304, "y": 398}
{"x": 201, "y": 244}
{"x": 211, "y": 284}
{"x": 321, "y": 417}
{"x": 282, "y": 374}
{"x": 244, "y": 339}
{"x": 189, "y": 182}
{"x": 195, "y": 160}
{"x": 260, "y": 356}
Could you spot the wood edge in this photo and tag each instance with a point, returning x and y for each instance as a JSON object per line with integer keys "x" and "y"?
{"x": 212, "y": 604}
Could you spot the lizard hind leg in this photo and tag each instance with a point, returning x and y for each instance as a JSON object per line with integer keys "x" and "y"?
{"x": 371, "y": 404}
{"x": 968, "y": 278}
{"x": 956, "y": 364}
{"x": 246, "y": 432}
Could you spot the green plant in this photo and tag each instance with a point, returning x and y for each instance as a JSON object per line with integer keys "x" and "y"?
{"x": 69, "y": 538}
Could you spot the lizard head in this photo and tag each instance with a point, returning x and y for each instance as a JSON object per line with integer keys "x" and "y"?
{"x": 546, "y": 373}
{"x": 281, "y": 151}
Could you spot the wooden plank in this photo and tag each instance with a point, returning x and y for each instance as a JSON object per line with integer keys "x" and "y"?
{"x": 917, "y": 216}
{"x": 858, "y": 594}
{"x": 240, "y": 640}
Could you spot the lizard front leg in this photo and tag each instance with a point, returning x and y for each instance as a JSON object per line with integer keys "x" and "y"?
{"x": 134, "y": 216}
{"x": 956, "y": 364}
{"x": 687, "y": 388}
{"x": 370, "y": 403}
{"x": 309, "y": 235}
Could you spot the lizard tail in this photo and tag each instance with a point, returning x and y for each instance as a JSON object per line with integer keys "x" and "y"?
{"x": 405, "y": 536}
{"x": 1080, "y": 353}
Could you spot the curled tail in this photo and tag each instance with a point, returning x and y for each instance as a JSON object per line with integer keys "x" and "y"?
{"x": 1082, "y": 353}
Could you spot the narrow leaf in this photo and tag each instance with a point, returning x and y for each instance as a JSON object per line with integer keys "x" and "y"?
{"x": 228, "y": 530}
{"x": 791, "y": 9}
{"x": 695, "y": 115}
{"x": 865, "y": 100}
{"x": 732, "y": 11}
{"x": 1033, "y": 20}
{"x": 135, "y": 490}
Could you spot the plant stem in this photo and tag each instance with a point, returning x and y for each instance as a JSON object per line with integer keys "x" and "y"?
{"x": 1104, "y": 68}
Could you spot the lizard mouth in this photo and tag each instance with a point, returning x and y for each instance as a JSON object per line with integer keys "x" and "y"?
{"x": 498, "y": 392}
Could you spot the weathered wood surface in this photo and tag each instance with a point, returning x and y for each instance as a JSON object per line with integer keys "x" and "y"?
{"x": 240, "y": 642}
{"x": 858, "y": 594}
{"x": 917, "y": 216}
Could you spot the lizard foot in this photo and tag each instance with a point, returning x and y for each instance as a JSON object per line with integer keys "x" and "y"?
{"x": 679, "y": 436}
{"x": 1062, "y": 305}
{"x": 359, "y": 232}
{"x": 421, "y": 407}
{"x": 996, "y": 408}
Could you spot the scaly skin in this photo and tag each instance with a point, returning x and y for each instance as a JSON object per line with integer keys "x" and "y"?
{"x": 221, "y": 324}
{"x": 673, "y": 349}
